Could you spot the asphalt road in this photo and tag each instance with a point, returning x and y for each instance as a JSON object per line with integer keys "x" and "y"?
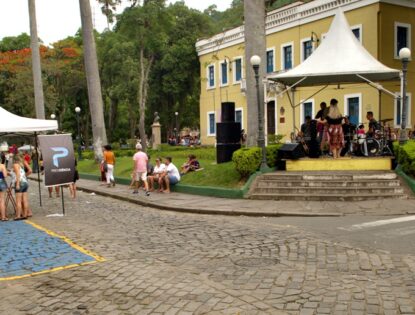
{"x": 367, "y": 232}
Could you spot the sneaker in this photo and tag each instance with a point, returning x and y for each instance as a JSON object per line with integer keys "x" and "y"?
{"x": 147, "y": 193}
{"x": 135, "y": 192}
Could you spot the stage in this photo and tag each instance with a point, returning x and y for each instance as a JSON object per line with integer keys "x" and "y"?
{"x": 381, "y": 163}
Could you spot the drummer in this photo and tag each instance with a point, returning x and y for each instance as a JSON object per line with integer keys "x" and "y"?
{"x": 373, "y": 124}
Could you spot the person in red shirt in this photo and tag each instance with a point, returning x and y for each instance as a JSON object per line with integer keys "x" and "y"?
{"x": 27, "y": 157}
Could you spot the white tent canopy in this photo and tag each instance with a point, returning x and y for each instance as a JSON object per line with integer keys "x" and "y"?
{"x": 11, "y": 123}
{"x": 340, "y": 58}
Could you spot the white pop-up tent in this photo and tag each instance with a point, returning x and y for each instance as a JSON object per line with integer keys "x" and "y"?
{"x": 11, "y": 123}
{"x": 340, "y": 58}
{"x": 14, "y": 124}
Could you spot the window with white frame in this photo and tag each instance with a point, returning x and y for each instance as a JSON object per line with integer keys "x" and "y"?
{"x": 307, "y": 109}
{"x": 224, "y": 73}
{"x": 306, "y": 48}
{"x": 211, "y": 76}
{"x": 353, "y": 108}
{"x": 211, "y": 128}
{"x": 237, "y": 73}
{"x": 287, "y": 56}
{"x": 402, "y": 37}
{"x": 270, "y": 60}
{"x": 398, "y": 111}
{"x": 239, "y": 116}
{"x": 357, "y": 31}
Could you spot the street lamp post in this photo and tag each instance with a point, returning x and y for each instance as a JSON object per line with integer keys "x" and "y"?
{"x": 176, "y": 114}
{"x": 404, "y": 55}
{"x": 255, "y": 62}
{"x": 53, "y": 116}
{"x": 77, "y": 111}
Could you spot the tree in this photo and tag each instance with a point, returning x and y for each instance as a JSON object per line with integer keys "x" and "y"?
{"x": 36, "y": 68}
{"x": 9, "y": 43}
{"x": 93, "y": 79}
{"x": 254, "y": 45}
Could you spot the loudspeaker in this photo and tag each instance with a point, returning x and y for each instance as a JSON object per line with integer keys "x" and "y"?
{"x": 228, "y": 132}
{"x": 228, "y": 112}
{"x": 291, "y": 151}
{"x": 224, "y": 152}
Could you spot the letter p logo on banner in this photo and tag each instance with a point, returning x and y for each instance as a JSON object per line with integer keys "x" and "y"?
{"x": 63, "y": 152}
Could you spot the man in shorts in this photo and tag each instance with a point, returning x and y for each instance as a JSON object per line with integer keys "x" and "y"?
{"x": 170, "y": 176}
{"x": 140, "y": 169}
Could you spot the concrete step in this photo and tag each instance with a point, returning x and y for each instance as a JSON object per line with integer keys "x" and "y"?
{"x": 345, "y": 191}
{"x": 326, "y": 197}
{"x": 330, "y": 176}
{"x": 270, "y": 183}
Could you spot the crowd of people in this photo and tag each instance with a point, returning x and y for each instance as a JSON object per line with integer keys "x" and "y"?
{"x": 332, "y": 132}
{"x": 159, "y": 177}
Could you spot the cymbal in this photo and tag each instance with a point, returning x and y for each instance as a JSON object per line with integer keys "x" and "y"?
{"x": 386, "y": 120}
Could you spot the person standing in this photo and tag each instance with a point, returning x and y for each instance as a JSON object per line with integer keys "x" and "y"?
{"x": 20, "y": 172}
{"x": 140, "y": 159}
{"x": 109, "y": 160}
{"x": 3, "y": 190}
{"x": 171, "y": 175}
{"x": 320, "y": 116}
{"x": 335, "y": 132}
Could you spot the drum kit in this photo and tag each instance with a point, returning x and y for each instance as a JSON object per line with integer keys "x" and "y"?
{"x": 377, "y": 145}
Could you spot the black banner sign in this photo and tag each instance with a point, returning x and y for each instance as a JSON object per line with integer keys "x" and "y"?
{"x": 58, "y": 159}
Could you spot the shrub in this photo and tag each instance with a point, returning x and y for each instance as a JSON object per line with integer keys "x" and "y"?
{"x": 115, "y": 146}
{"x": 272, "y": 154}
{"x": 247, "y": 160}
{"x": 406, "y": 157}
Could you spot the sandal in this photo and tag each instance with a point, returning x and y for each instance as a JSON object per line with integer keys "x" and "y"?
{"x": 18, "y": 219}
{"x": 5, "y": 219}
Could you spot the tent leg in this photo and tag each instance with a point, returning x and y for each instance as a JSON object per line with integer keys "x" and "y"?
{"x": 380, "y": 104}
{"x": 38, "y": 169}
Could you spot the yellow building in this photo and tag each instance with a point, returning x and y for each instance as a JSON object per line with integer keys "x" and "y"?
{"x": 293, "y": 33}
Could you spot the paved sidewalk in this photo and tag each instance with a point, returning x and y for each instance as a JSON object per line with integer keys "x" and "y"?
{"x": 212, "y": 205}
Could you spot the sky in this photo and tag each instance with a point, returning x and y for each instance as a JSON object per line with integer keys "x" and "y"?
{"x": 57, "y": 19}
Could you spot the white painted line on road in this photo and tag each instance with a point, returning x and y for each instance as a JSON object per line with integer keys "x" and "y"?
{"x": 377, "y": 223}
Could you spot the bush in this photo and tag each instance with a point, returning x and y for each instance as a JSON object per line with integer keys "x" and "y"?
{"x": 115, "y": 145}
{"x": 406, "y": 157}
{"x": 247, "y": 160}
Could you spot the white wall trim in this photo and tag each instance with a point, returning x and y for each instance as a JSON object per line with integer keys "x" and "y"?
{"x": 302, "y": 117}
{"x": 302, "y": 47}
{"x": 282, "y": 54}
{"x": 208, "y": 133}
{"x": 346, "y": 107}
{"x": 220, "y": 72}
{"x": 408, "y": 117}
{"x": 208, "y": 86}
{"x": 395, "y": 37}
{"x": 242, "y": 115}
{"x": 360, "y": 27}
{"x": 234, "y": 69}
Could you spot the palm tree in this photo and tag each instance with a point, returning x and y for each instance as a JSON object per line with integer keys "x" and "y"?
{"x": 93, "y": 80}
{"x": 254, "y": 28}
{"x": 36, "y": 69}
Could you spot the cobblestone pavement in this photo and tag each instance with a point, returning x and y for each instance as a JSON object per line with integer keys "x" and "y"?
{"x": 161, "y": 262}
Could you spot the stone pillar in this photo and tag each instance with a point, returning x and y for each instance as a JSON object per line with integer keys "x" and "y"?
{"x": 156, "y": 135}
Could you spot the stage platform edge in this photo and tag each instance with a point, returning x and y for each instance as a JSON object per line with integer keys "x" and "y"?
{"x": 341, "y": 164}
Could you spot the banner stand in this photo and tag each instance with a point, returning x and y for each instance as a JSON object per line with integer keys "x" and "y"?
{"x": 63, "y": 202}
{"x": 38, "y": 169}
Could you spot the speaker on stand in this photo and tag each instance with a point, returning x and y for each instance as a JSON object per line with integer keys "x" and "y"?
{"x": 228, "y": 134}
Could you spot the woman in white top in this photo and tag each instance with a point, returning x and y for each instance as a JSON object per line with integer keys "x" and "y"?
{"x": 21, "y": 169}
{"x": 156, "y": 176}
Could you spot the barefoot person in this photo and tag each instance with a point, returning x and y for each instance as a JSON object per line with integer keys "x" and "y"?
{"x": 3, "y": 190}
{"x": 171, "y": 175}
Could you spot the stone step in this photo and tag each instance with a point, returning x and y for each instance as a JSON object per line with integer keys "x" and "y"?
{"x": 269, "y": 183}
{"x": 326, "y": 197}
{"x": 346, "y": 191}
{"x": 330, "y": 176}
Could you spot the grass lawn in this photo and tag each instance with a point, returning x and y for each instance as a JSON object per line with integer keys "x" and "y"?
{"x": 216, "y": 175}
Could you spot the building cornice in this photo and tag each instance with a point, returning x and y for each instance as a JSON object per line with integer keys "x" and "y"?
{"x": 287, "y": 17}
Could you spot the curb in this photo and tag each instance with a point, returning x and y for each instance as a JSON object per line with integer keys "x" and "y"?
{"x": 207, "y": 211}
{"x": 409, "y": 180}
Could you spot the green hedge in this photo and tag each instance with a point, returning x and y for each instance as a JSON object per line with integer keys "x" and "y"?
{"x": 248, "y": 160}
{"x": 405, "y": 156}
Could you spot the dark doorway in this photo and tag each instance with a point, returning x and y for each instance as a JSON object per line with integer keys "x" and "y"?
{"x": 271, "y": 118}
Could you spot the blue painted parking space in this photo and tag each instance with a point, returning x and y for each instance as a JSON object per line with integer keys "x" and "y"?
{"x": 28, "y": 249}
